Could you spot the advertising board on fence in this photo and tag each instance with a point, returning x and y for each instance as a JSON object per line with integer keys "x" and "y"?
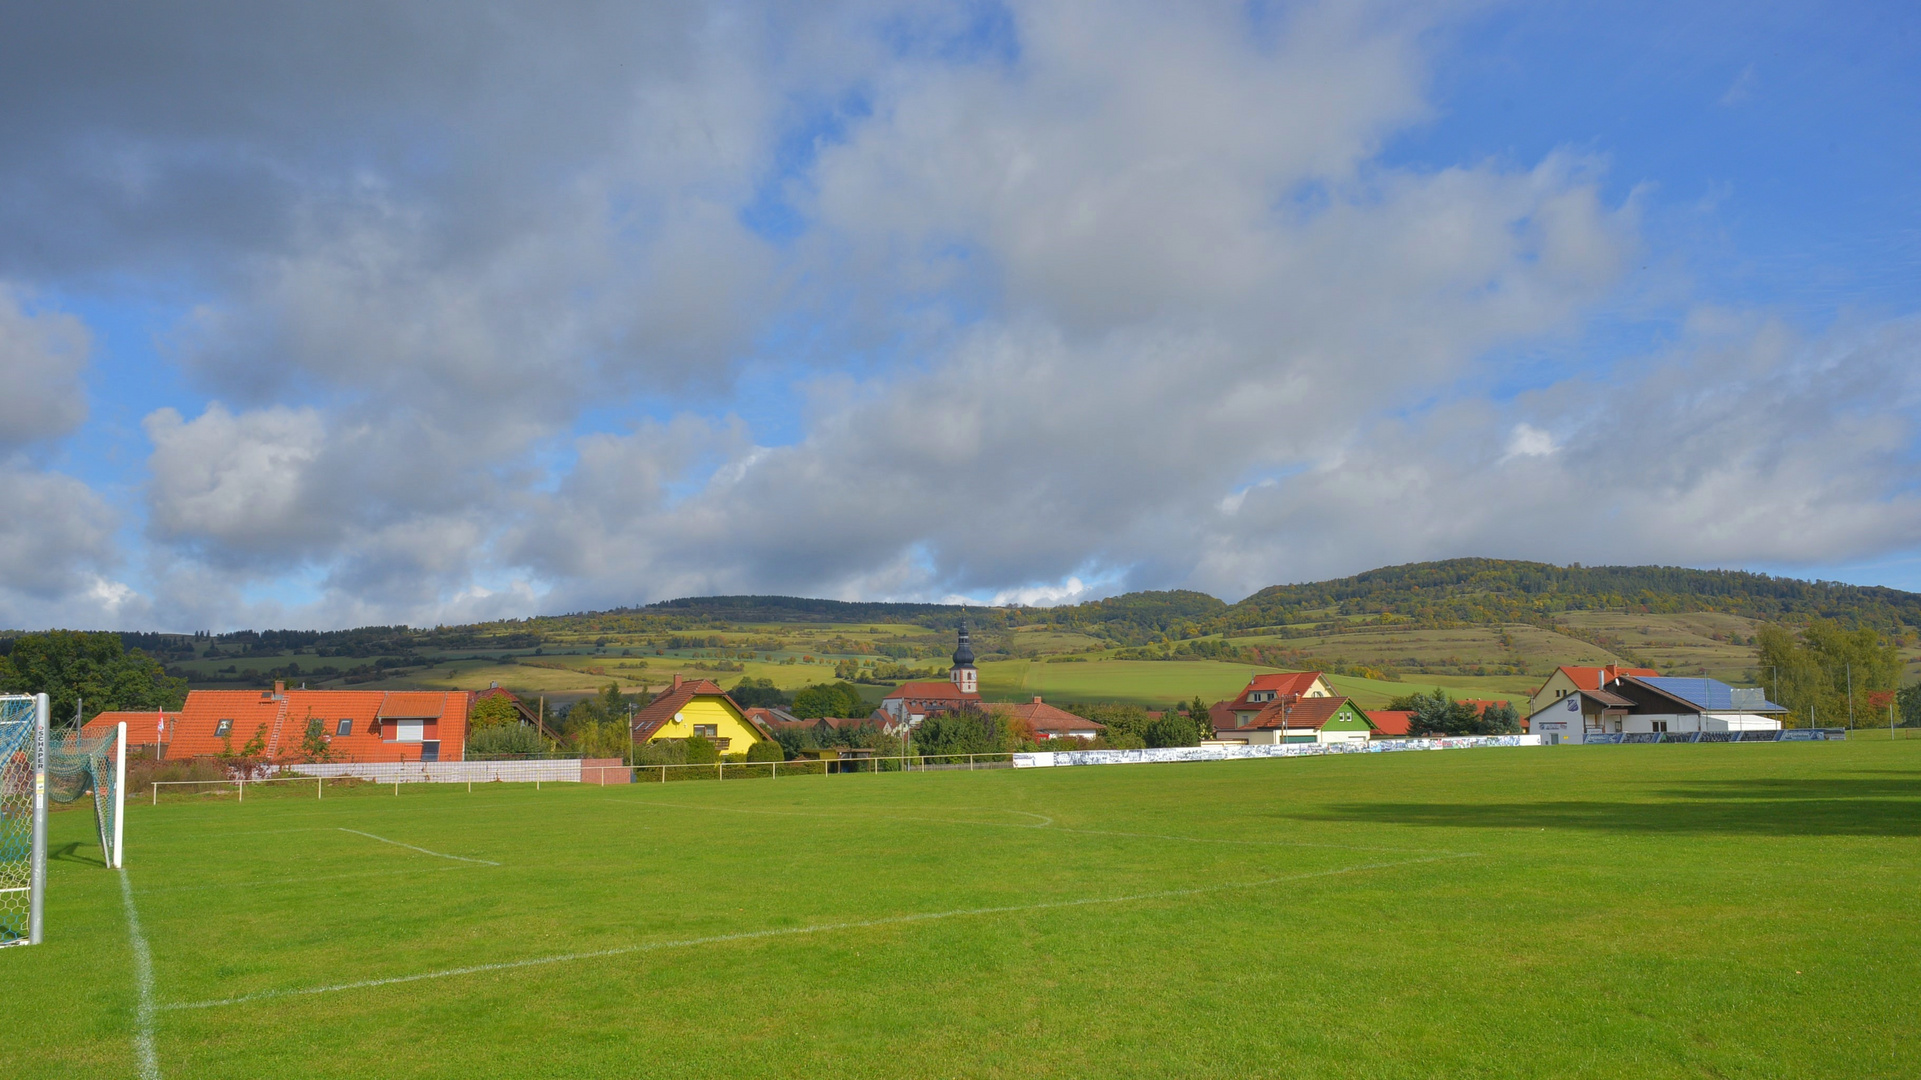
{"x": 1050, "y": 759}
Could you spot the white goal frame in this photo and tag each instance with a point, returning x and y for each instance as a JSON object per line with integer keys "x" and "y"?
{"x": 28, "y": 874}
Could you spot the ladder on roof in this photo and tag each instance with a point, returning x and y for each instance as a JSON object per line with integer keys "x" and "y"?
{"x": 273, "y": 738}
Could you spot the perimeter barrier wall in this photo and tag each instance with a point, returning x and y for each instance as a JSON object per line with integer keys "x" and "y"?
{"x": 1050, "y": 759}
{"x": 558, "y": 771}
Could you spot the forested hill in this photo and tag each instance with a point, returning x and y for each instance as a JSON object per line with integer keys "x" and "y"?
{"x": 1455, "y": 592}
{"x": 1484, "y": 591}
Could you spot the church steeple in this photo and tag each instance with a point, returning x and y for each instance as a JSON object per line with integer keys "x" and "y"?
{"x": 963, "y": 674}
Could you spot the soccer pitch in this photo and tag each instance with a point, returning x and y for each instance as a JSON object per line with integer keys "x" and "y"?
{"x": 1719, "y": 910}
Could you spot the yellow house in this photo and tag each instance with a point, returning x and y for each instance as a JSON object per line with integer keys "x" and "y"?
{"x": 697, "y": 708}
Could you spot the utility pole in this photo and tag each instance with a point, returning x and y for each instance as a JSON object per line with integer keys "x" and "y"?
{"x": 1850, "y": 670}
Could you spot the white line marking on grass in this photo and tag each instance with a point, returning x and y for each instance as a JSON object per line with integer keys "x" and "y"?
{"x": 795, "y": 931}
{"x": 144, "y": 1007}
{"x": 422, "y": 850}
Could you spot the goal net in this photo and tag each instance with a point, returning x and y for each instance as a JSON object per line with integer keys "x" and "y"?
{"x": 23, "y": 817}
{"x": 79, "y": 764}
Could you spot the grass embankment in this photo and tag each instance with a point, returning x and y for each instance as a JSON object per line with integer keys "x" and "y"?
{"x": 1685, "y": 911}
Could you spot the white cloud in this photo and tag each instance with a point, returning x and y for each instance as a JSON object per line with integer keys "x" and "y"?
{"x": 1526, "y": 440}
{"x": 237, "y": 482}
{"x": 1135, "y": 300}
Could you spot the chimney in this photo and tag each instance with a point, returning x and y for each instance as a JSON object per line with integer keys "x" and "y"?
{"x": 1037, "y": 699}
{"x": 279, "y": 687}
{"x": 676, "y": 680}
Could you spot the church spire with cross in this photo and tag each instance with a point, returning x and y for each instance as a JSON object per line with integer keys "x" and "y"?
{"x": 963, "y": 673}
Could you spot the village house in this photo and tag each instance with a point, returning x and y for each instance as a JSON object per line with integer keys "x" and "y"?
{"x": 698, "y": 707}
{"x": 1048, "y": 722}
{"x": 1653, "y": 704}
{"x": 1292, "y": 719}
{"x": 347, "y": 725}
{"x": 1568, "y": 679}
{"x": 1263, "y": 690}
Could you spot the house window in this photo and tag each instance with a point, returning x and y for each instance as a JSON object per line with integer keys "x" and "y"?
{"x": 344, "y": 728}
{"x": 1659, "y": 725}
{"x": 707, "y": 731}
{"x": 223, "y": 728}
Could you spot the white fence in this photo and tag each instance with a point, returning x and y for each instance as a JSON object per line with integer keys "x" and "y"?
{"x": 1049, "y": 759}
{"x": 558, "y": 770}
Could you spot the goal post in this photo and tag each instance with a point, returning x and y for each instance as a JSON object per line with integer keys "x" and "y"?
{"x": 79, "y": 764}
{"x": 119, "y": 792}
{"x": 23, "y": 817}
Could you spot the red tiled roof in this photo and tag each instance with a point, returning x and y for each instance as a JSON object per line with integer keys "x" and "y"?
{"x": 1307, "y": 713}
{"x": 1222, "y": 715}
{"x": 142, "y": 727}
{"x": 1044, "y": 719}
{"x": 1591, "y": 678}
{"x": 527, "y": 714}
{"x": 1390, "y": 721}
{"x": 661, "y": 710}
{"x": 931, "y": 691}
{"x": 1283, "y": 683}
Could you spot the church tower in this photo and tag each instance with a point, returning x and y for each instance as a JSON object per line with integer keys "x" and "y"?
{"x": 963, "y": 674}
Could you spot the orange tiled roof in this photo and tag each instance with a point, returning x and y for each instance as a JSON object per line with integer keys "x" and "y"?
{"x": 1390, "y": 721}
{"x": 142, "y": 727}
{"x": 1591, "y": 678}
{"x": 1045, "y": 719}
{"x": 412, "y": 705}
{"x": 1282, "y": 683}
{"x": 1293, "y": 713}
{"x": 285, "y": 718}
{"x": 931, "y": 691}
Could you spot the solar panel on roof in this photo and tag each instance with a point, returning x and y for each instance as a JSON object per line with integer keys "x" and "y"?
{"x": 1712, "y": 694}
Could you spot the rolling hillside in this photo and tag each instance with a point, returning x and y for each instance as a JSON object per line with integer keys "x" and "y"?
{"x": 1482, "y": 626}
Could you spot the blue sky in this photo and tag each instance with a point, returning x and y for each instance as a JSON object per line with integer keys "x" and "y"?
{"x": 394, "y": 317}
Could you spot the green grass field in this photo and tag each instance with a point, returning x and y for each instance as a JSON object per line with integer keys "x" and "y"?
{"x": 1685, "y": 911}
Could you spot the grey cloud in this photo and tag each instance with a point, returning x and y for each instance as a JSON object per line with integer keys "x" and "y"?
{"x": 42, "y": 357}
{"x": 56, "y": 551}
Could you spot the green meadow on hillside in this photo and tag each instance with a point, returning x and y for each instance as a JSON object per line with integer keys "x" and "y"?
{"x": 1477, "y": 627}
{"x": 1639, "y": 911}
